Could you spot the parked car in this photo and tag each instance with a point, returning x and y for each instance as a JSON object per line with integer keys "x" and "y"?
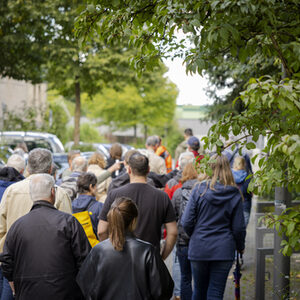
{"x": 102, "y": 148}
{"x": 32, "y": 140}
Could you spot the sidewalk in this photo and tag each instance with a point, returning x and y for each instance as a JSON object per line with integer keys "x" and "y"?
{"x": 247, "y": 283}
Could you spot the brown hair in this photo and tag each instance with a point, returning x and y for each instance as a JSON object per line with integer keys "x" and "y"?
{"x": 189, "y": 172}
{"x": 128, "y": 154}
{"x": 221, "y": 171}
{"x": 239, "y": 163}
{"x": 121, "y": 218}
{"x": 97, "y": 159}
{"x": 72, "y": 154}
{"x": 115, "y": 151}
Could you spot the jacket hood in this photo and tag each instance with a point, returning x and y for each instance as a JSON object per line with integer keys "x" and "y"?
{"x": 82, "y": 202}
{"x": 5, "y": 184}
{"x": 10, "y": 174}
{"x": 221, "y": 194}
{"x": 189, "y": 184}
{"x": 239, "y": 176}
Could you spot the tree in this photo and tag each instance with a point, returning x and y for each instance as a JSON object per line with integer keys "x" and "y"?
{"x": 148, "y": 103}
{"x": 37, "y": 43}
{"x": 26, "y": 29}
{"x": 231, "y": 41}
{"x": 242, "y": 32}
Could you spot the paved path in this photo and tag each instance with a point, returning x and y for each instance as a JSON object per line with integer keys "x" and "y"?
{"x": 247, "y": 284}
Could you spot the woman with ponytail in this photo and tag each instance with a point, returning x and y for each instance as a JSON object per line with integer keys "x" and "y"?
{"x": 124, "y": 267}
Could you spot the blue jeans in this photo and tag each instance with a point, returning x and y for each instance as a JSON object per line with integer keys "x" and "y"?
{"x": 176, "y": 273}
{"x": 5, "y": 290}
{"x": 210, "y": 279}
{"x": 186, "y": 273}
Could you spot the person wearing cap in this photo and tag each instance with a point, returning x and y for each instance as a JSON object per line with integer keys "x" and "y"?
{"x": 194, "y": 146}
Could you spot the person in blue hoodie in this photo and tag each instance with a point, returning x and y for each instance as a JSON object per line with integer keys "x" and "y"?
{"x": 87, "y": 188}
{"x": 240, "y": 174}
{"x": 213, "y": 218}
{"x": 10, "y": 174}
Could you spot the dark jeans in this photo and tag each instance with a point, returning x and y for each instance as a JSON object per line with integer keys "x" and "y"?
{"x": 5, "y": 290}
{"x": 186, "y": 273}
{"x": 210, "y": 279}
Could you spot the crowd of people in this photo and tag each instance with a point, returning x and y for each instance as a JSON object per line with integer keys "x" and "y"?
{"x": 103, "y": 229}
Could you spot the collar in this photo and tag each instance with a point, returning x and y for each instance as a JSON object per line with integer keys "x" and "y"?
{"x": 40, "y": 203}
{"x": 150, "y": 150}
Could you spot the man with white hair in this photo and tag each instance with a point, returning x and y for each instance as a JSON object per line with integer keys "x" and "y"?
{"x": 16, "y": 200}
{"x": 156, "y": 163}
{"x": 44, "y": 249}
{"x": 69, "y": 183}
{"x": 12, "y": 172}
{"x": 17, "y": 162}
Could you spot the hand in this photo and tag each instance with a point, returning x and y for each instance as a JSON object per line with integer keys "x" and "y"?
{"x": 116, "y": 166}
{"x": 241, "y": 251}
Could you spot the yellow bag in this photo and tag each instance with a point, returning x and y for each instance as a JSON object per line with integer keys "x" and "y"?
{"x": 85, "y": 220}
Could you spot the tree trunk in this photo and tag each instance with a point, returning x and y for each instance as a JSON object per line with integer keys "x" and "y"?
{"x": 135, "y": 133}
{"x": 145, "y": 132}
{"x": 77, "y": 114}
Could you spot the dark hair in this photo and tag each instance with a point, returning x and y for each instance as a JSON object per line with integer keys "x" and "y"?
{"x": 120, "y": 219}
{"x": 139, "y": 164}
{"x": 54, "y": 168}
{"x": 84, "y": 180}
{"x": 115, "y": 151}
{"x": 188, "y": 132}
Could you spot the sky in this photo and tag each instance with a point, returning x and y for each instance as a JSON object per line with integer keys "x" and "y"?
{"x": 191, "y": 88}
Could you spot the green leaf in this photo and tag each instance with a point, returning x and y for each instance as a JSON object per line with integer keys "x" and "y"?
{"x": 297, "y": 162}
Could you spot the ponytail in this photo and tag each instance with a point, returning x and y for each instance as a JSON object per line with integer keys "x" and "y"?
{"x": 120, "y": 218}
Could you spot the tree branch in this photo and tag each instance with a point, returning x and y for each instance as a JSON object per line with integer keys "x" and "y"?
{"x": 283, "y": 60}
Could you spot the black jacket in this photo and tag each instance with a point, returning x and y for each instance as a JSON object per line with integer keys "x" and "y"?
{"x": 179, "y": 201}
{"x": 43, "y": 252}
{"x": 136, "y": 273}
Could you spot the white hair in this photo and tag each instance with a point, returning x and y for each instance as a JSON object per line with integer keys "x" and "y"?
{"x": 40, "y": 186}
{"x": 17, "y": 162}
{"x": 152, "y": 140}
{"x": 184, "y": 159}
{"x": 39, "y": 161}
{"x": 79, "y": 164}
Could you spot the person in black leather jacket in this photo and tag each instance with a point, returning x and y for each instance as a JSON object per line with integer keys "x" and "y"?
{"x": 124, "y": 267}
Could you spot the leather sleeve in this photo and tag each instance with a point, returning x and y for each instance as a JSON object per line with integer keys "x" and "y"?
{"x": 160, "y": 281}
{"x": 87, "y": 275}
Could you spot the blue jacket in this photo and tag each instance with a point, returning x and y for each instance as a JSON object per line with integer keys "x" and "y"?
{"x": 8, "y": 176}
{"x": 215, "y": 222}
{"x": 89, "y": 203}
